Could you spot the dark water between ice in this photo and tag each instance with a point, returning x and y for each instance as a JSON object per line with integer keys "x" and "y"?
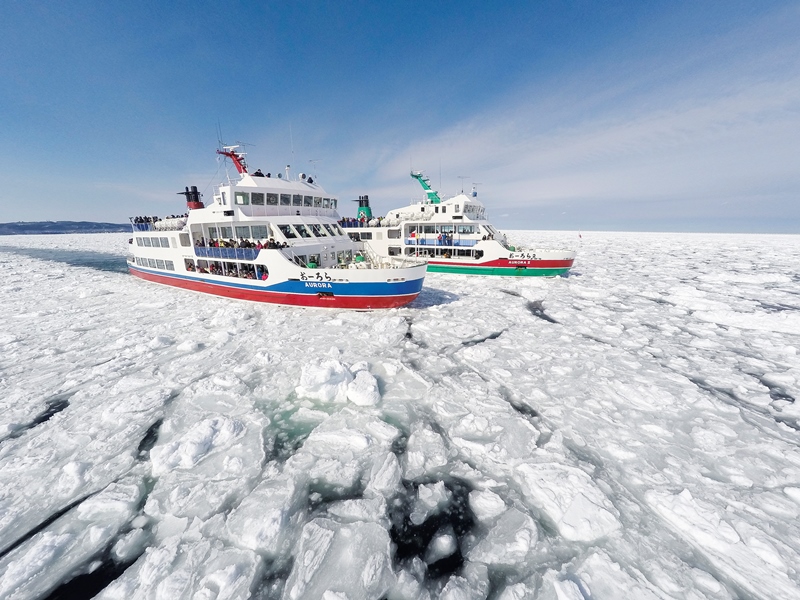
{"x": 101, "y": 261}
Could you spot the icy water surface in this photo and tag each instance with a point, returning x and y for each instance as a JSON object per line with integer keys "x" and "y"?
{"x": 628, "y": 431}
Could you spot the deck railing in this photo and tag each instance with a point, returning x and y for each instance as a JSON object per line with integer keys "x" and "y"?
{"x": 226, "y": 253}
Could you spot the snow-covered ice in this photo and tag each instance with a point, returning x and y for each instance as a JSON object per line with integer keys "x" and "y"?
{"x": 628, "y": 431}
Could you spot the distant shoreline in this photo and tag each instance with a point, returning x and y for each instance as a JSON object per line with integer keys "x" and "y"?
{"x": 45, "y": 227}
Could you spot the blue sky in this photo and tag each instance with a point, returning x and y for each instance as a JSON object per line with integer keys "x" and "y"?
{"x": 574, "y": 115}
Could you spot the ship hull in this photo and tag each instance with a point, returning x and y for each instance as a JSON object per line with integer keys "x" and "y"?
{"x": 356, "y": 296}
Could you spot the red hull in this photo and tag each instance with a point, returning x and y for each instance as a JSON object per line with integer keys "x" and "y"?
{"x": 308, "y": 300}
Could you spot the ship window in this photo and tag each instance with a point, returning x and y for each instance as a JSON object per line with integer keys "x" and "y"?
{"x": 348, "y": 255}
{"x": 393, "y": 234}
{"x": 259, "y": 232}
{"x": 146, "y": 242}
{"x": 287, "y": 231}
{"x": 366, "y": 235}
{"x": 242, "y": 232}
{"x": 257, "y": 198}
{"x": 314, "y": 258}
{"x": 465, "y": 229}
{"x": 286, "y": 200}
{"x": 164, "y": 242}
{"x": 224, "y": 198}
{"x": 151, "y": 263}
{"x": 303, "y": 231}
{"x": 333, "y": 256}
{"x": 159, "y": 263}
{"x": 326, "y": 203}
{"x": 300, "y": 259}
{"x": 212, "y": 233}
{"x": 297, "y": 200}
{"x": 272, "y": 199}
{"x": 308, "y": 201}
{"x": 444, "y": 209}
{"x": 446, "y": 228}
{"x": 139, "y": 241}
{"x": 456, "y": 208}
{"x": 184, "y": 237}
{"x": 421, "y": 209}
{"x": 338, "y": 229}
{"x": 430, "y": 229}
{"x": 225, "y": 232}
{"x": 394, "y": 251}
{"x": 318, "y": 230}
{"x": 317, "y": 201}
{"x": 333, "y": 203}
{"x": 169, "y": 265}
{"x": 341, "y": 257}
{"x": 329, "y": 229}
{"x": 242, "y": 197}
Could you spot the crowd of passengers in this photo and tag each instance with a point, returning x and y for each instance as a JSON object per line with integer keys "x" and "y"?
{"x": 243, "y": 272}
{"x": 349, "y": 222}
{"x": 269, "y": 244}
{"x": 157, "y": 219}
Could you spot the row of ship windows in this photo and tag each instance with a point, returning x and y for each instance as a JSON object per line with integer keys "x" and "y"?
{"x": 259, "y": 232}
{"x": 261, "y": 199}
{"x": 155, "y": 263}
{"x": 153, "y": 242}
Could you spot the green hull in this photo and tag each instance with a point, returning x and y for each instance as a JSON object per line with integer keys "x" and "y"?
{"x": 501, "y": 271}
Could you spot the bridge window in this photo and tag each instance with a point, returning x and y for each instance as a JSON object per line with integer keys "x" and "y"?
{"x": 297, "y": 200}
{"x": 272, "y": 199}
{"x": 318, "y": 230}
{"x": 287, "y": 231}
{"x": 308, "y": 201}
{"x": 286, "y": 200}
{"x": 326, "y": 203}
{"x": 242, "y": 197}
{"x": 303, "y": 231}
{"x": 257, "y": 199}
{"x": 317, "y": 202}
{"x": 329, "y": 229}
{"x": 333, "y": 203}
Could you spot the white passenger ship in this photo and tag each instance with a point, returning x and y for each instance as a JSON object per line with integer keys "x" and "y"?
{"x": 270, "y": 239}
{"x": 454, "y": 236}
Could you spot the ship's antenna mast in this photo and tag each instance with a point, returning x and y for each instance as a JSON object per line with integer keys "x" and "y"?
{"x": 462, "y": 178}
{"x": 314, "y": 162}
{"x": 291, "y": 142}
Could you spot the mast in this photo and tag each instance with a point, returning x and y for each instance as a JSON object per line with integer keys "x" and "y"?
{"x": 236, "y": 157}
{"x": 433, "y": 197}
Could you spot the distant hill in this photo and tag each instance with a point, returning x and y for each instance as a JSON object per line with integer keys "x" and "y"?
{"x": 22, "y": 228}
